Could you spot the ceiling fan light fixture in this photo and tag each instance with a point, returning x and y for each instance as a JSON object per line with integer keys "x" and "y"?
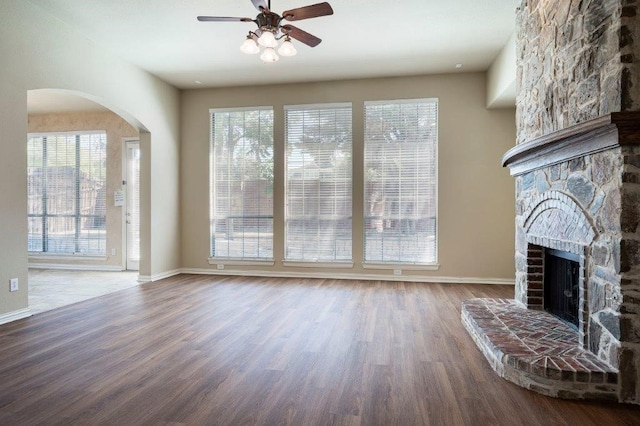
{"x": 270, "y": 29}
{"x": 287, "y": 48}
{"x": 269, "y": 55}
{"x": 267, "y": 38}
{"x": 250, "y": 47}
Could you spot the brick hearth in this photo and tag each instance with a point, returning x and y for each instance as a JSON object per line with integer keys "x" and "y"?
{"x": 537, "y": 351}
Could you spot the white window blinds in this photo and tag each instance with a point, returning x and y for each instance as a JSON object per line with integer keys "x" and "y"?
{"x": 401, "y": 139}
{"x": 242, "y": 183}
{"x": 66, "y": 187}
{"x": 318, "y": 183}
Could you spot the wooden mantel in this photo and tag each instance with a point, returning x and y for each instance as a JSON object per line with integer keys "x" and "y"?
{"x": 602, "y": 133}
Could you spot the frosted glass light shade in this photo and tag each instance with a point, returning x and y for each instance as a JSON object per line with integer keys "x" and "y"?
{"x": 287, "y": 48}
{"x": 269, "y": 55}
{"x": 267, "y": 39}
{"x": 249, "y": 47}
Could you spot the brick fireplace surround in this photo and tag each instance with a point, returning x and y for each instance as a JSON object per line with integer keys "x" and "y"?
{"x": 577, "y": 190}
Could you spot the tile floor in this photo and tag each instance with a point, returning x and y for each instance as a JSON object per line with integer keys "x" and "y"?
{"x": 52, "y": 288}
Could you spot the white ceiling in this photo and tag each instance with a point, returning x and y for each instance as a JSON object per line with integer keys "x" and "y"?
{"x": 364, "y": 38}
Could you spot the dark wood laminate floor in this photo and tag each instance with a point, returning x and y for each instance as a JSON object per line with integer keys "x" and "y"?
{"x": 206, "y": 350}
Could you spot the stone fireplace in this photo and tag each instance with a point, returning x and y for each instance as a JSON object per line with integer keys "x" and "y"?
{"x": 577, "y": 170}
{"x": 578, "y": 192}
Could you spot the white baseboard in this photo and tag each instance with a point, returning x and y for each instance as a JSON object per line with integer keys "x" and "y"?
{"x": 15, "y": 315}
{"x": 74, "y": 267}
{"x": 284, "y": 274}
{"x": 472, "y": 280}
{"x": 160, "y": 276}
{"x": 301, "y": 274}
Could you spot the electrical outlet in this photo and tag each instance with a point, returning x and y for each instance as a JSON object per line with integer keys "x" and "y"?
{"x": 13, "y": 284}
{"x": 397, "y": 272}
{"x": 114, "y": 252}
{"x": 220, "y": 266}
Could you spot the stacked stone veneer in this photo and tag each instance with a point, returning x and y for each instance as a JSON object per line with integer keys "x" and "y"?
{"x": 577, "y": 60}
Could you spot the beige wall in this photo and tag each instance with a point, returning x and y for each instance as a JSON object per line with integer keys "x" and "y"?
{"x": 13, "y": 204}
{"x": 117, "y": 131}
{"x": 476, "y": 235}
{"x": 38, "y": 51}
{"x": 501, "y": 77}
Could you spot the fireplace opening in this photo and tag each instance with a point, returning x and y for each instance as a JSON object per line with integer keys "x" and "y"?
{"x": 561, "y": 285}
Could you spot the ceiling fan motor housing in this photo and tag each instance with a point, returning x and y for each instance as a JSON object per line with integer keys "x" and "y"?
{"x": 268, "y": 20}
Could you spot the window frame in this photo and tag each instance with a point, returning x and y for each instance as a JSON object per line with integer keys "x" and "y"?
{"x": 234, "y": 260}
{"x": 77, "y": 216}
{"x": 398, "y": 265}
{"x": 318, "y": 262}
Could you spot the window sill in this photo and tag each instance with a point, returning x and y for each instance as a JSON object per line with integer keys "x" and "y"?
{"x": 240, "y": 262}
{"x": 302, "y": 264}
{"x": 405, "y": 266}
{"x": 59, "y": 256}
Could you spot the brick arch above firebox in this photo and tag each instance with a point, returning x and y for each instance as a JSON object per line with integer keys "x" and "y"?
{"x": 556, "y": 216}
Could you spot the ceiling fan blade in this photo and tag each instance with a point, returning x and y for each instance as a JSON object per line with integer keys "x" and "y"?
{"x": 223, "y": 19}
{"x": 260, "y": 4}
{"x": 306, "y": 12}
{"x": 301, "y": 36}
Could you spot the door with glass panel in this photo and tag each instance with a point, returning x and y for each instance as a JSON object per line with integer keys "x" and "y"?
{"x": 132, "y": 212}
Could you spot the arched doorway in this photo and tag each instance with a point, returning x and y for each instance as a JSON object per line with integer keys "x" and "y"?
{"x": 78, "y": 199}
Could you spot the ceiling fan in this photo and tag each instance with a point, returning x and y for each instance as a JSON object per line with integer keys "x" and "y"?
{"x": 270, "y": 29}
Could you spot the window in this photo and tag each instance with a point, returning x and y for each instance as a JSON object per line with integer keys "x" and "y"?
{"x": 242, "y": 183}
{"x": 66, "y": 186}
{"x": 400, "y": 164}
{"x": 318, "y": 183}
